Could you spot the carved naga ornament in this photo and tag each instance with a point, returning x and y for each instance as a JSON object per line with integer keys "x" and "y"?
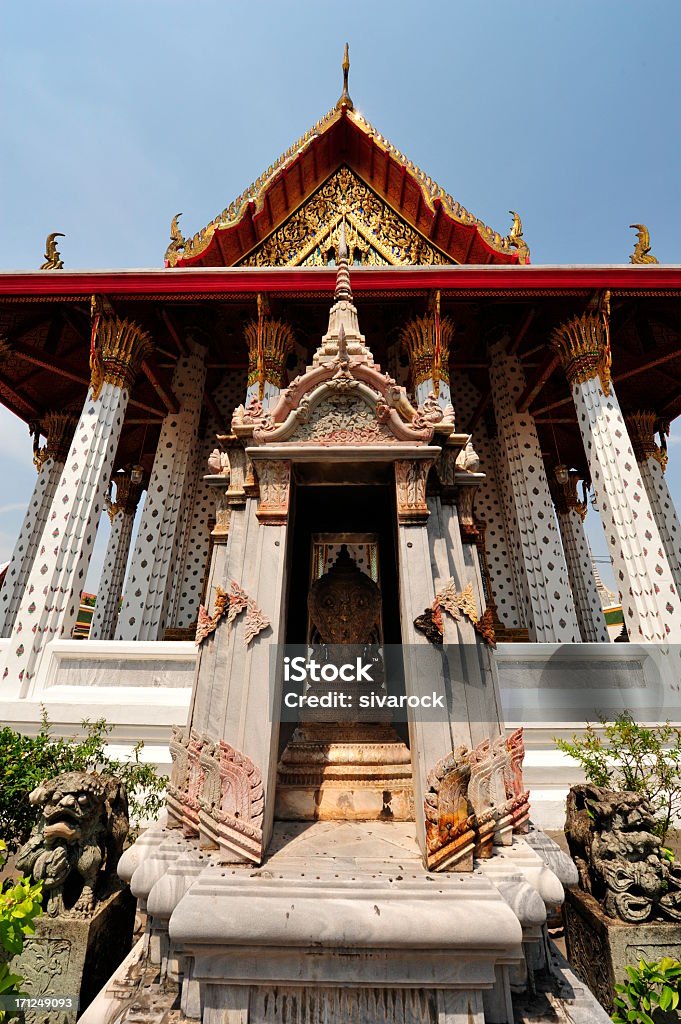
{"x": 216, "y": 793}
{"x": 53, "y": 260}
{"x": 642, "y": 253}
{"x": 476, "y": 800}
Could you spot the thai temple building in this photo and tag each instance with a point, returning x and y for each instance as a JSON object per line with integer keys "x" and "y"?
{"x": 344, "y": 413}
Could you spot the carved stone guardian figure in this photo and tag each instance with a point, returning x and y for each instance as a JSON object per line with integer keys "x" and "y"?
{"x": 612, "y": 839}
{"x": 628, "y": 903}
{"x": 75, "y": 847}
{"x": 74, "y": 851}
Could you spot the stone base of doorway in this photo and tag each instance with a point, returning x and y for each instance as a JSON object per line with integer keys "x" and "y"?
{"x": 342, "y": 924}
{"x": 139, "y": 993}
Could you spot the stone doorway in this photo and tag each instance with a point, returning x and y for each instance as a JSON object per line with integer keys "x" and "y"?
{"x": 344, "y": 560}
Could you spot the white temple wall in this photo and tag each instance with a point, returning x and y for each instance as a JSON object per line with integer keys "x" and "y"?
{"x": 142, "y": 688}
{"x": 500, "y": 539}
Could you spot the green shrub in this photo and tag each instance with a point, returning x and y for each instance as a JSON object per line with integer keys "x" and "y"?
{"x": 27, "y": 760}
{"x": 651, "y": 993}
{"x": 626, "y": 755}
{"x": 20, "y": 904}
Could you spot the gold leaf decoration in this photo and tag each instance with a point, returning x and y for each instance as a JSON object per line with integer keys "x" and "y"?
{"x": 376, "y": 234}
{"x": 457, "y": 602}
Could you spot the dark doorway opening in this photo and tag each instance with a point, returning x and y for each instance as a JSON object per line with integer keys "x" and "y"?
{"x": 321, "y": 509}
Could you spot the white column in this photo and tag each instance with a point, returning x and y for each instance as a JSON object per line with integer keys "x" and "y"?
{"x": 652, "y": 610}
{"x": 50, "y": 602}
{"x": 122, "y": 516}
{"x": 150, "y": 579}
{"x": 57, "y": 428}
{"x": 652, "y": 462}
{"x": 544, "y": 579}
{"x": 570, "y": 512}
{"x": 509, "y": 568}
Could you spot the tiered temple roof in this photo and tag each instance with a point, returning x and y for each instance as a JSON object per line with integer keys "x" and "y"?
{"x": 376, "y": 182}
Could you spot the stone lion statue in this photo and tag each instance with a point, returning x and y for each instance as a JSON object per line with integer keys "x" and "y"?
{"x": 75, "y": 847}
{"x": 612, "y": 840}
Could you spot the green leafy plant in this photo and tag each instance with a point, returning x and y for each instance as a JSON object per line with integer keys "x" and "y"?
{"x": 20, "y": 904}
{"x": 651, "y": 993}
{"x": 625, "y": 755}
{"x": 27, "y": 760}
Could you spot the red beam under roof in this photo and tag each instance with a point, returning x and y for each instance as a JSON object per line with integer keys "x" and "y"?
{"x": 215, "y": 281}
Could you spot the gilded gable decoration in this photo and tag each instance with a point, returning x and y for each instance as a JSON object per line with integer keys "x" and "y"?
{"x": 376, "y": 235}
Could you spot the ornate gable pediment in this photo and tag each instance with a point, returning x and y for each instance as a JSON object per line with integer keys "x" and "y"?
{"x": 339, "y": 417}
{"x": 376, "y": 234}
{"x": 332, "y": 405}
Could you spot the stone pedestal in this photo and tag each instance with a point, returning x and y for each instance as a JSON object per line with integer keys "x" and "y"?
{"x": 601, "y": 947}
{"x": 344, "y": 922}
{"x": 75, "y": 956}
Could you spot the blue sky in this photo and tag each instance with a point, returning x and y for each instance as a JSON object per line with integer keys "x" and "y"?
{"x": 115, "y": 116}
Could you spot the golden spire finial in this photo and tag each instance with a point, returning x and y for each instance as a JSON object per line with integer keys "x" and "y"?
{"x": 344, "y": 99}
{"x": 642, "y": 253}
{"x": 53, "y": 260}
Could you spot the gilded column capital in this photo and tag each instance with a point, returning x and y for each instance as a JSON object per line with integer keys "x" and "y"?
{"x": 118, "y": 349}
{"x": 57, "y": 428}
{"x": 565, "y": 497}
{"x": 642, "y": 426}
{"x": 427, "y": 340}
{"x": 583, "y": 345}
{"x": 269, "y": 343}
{"x": 127, "y": 497}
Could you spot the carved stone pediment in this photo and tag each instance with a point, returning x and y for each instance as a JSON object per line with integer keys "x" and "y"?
{"x": 341, "y": 417}
{"x": 338, "y": 404}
